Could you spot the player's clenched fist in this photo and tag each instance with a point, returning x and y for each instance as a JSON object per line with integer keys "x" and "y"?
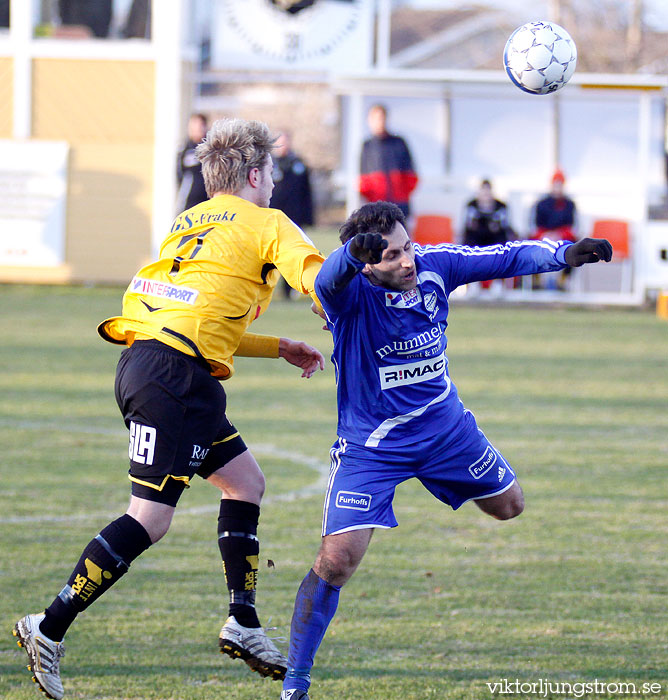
{"x": 368, "y": 247}
{"x": 588, "y": 250}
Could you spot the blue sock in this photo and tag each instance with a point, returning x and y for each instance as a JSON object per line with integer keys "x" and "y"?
{"x": 315, "y": 606}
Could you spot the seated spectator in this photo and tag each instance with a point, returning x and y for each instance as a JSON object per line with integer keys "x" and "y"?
{"x": 555, "y": 218}
{"x": 486, "y": 221}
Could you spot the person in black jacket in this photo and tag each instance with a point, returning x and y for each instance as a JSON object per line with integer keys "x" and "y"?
{"x": 486, "y": 219}
{"x": 486, "y": 222}
{"x": 292, "y": 187}
{"x": 188, "y": 167}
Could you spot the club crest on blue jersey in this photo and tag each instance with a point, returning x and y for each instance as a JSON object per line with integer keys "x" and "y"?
{"x": 430, "y": 301}
{"x": 430, "y": 304}
{"x": 403, "y": 300}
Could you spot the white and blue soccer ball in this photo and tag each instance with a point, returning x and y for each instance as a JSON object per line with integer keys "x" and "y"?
{"x": 540, "y": 57}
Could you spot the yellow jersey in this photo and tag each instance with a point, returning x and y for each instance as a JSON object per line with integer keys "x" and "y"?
{"x": 216, "y": 273}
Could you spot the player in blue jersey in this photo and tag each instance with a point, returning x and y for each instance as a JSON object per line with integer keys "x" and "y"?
{"x": 399, "y": 416}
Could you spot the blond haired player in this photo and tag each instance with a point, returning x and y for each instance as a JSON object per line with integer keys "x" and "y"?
{"x": 184, "y": 317}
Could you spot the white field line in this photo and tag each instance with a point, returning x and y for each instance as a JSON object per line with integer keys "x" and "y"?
{"x": 314, "y": 488}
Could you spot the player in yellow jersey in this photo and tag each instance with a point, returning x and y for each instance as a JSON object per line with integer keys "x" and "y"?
{"x": 184, "y": 317}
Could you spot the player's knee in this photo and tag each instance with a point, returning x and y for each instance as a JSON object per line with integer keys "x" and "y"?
{"x": 247, "y": 488}
{"x": 335, "y": 567}
{"x": 154, "y": 508}
{"x": 157, "y": 530}
{"x": 156, "y": 522}
{"x": 260, "y": 486}
{"x": 252, "y": 490}
{"x": 512, "y": 507}
{"x": 241, "y": 479}
{"x": 505, "y": 506}
{"x": 333, "y": 573}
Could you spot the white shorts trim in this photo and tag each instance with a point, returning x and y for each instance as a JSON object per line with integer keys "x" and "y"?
{"x": 335, "y": 459}
{"x": 369, "y": 526}
{"x": 489, "y": 495}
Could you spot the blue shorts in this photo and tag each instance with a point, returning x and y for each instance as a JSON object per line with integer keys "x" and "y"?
{"x": 362, "y": 480}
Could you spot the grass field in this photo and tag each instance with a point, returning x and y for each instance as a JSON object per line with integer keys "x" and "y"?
{"x": 573, "y": 591}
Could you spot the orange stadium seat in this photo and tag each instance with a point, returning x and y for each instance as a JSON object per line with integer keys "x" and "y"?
{"x": 432, "y": 229}
{"x": 617, "y": 232}
{"x": 619, "y": 235}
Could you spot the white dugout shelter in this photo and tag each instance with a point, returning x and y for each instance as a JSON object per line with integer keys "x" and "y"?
{"x": 607, "y": 133}
{"x": 91, "y": 127}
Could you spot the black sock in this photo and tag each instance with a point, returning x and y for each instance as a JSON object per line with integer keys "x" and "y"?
{"x": 104, "y": 560}
{"x": 239, "y": 548}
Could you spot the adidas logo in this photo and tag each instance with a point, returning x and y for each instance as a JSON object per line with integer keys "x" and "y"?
{"x": 502, "y": 471}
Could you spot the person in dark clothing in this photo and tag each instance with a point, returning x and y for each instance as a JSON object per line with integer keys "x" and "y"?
{"x": 486, "y": 222}
{"x": 292, "y": 188}
{"x": 188, "y": 167}
{"x": 4, "y": 13}
{"x": 556, "y": 213}
{"x": 386, "y": 168}
{"x": 555, "y": 218}
{"x": 95, "y": 14}
{"x": 486, "y": 219}
{"x": 292, "y": 183}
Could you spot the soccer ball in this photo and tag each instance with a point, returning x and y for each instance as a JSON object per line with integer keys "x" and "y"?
{"x": 540, "y": 57}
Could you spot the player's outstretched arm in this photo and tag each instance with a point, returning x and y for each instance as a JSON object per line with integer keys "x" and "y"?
{"x": 301, "y": 355}
{"x": 588, "y": 250}
{"x": 341, "y": 267}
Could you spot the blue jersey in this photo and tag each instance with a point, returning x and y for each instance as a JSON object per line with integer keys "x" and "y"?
{"x": 393, "y": 384}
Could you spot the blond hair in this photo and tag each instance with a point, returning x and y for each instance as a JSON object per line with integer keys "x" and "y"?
{"x": 231, "y": 149}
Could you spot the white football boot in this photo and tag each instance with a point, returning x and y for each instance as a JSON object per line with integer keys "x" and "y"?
{"x": 43, "y": 653}
{"x": 252, "y": 645}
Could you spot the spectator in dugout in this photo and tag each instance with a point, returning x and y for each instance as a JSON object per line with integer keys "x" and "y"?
{"x": 386, "y": 168}
{"x": 555, "y": 218}
{"x": 486, "y": 222}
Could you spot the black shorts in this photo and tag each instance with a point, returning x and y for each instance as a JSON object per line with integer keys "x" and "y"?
{"x": 175, "y": 411}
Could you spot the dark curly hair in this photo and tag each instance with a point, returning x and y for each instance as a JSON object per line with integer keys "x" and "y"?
{"x": 375, "y": 217}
